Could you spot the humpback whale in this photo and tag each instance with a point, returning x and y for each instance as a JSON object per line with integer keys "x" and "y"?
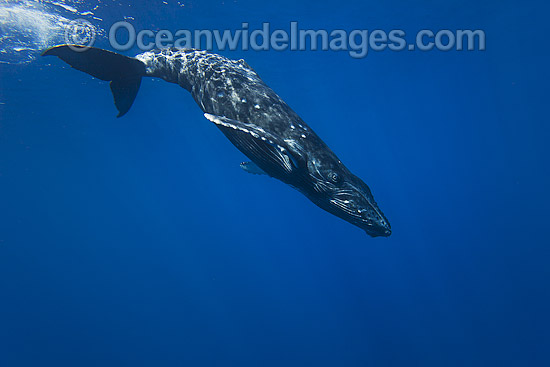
{"x": 250, "y": 114}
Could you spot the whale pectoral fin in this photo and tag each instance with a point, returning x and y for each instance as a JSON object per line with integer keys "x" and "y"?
{"x": 252, "y": 168}
{"x": 255, "y": 142}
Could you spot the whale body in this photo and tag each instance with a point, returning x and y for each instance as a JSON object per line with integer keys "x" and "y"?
{"x": 250, "y": 114}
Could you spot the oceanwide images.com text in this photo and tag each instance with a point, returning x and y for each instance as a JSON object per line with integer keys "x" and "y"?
{"x": 358, "y": 42}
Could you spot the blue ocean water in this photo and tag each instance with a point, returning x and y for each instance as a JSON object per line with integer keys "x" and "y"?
{"x": 139, "y": 241}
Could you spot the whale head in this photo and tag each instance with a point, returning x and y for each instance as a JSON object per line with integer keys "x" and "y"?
{"x": 309, "y": 166}
{"x": 335, "y": 189}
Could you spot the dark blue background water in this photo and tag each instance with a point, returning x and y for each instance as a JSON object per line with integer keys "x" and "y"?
{"x": 139, "y": 241}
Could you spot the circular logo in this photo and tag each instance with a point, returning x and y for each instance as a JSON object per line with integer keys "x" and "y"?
{"x": 80, "y": 35}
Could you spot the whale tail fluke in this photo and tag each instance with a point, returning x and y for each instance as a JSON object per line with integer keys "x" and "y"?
{"x": 123, "y": 72}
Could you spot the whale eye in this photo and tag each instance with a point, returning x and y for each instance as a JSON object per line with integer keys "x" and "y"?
{"x": 334, "y": 177}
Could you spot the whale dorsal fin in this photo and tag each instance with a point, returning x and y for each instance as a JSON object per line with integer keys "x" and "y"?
{"x": 267, "y": 151}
